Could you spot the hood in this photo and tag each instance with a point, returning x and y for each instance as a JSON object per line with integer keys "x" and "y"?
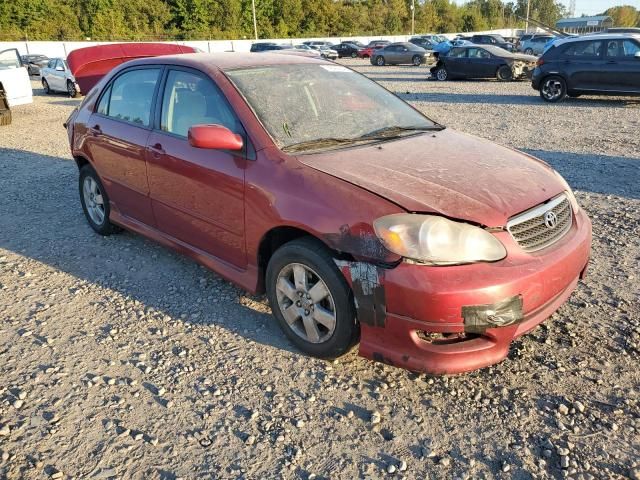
{"x": 524, "y": 58}
{"x": 447, "y": 172}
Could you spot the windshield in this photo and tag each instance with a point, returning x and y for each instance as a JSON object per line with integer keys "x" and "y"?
{"x": 499, "y": 38}
{"x": 324, "y": 105}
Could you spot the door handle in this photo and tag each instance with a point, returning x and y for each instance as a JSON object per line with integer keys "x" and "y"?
{"x": 96, "y": 131}
{"x": 612, "y": 61}
{"x": 156, "y": 150}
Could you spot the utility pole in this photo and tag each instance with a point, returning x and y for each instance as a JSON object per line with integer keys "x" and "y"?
{"x": 255, "y": 24}
{"x": 526, "y": 26}
{"x": 413, "y": 16}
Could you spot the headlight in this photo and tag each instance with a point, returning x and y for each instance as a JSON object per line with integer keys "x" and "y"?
{"x": 437, "y": 240}
{"x": 569, "y": 192}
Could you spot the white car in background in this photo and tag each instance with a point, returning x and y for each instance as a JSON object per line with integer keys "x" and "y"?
{"x": 15, "y": 85}
{"x": 57, "y": 77}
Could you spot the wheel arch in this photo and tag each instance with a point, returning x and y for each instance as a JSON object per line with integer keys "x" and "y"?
{"x": 275, "y": 238}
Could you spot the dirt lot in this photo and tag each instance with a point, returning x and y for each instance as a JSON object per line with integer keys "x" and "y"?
{"x": 120, "y": 359}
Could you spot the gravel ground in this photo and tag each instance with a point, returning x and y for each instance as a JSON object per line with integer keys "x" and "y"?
{"x": 120, "y": 359}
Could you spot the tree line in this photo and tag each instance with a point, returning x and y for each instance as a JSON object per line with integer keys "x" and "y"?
{"x": 232, "y": 19}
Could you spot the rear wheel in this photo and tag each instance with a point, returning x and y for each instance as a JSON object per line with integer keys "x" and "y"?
{"x": 442, "y": 74}
{"x": 354, "y": 54}
{"x": 380, "y": 61}
{"x": 416, "y": 60}
{"x": 504, "y": 73}
{"x": 95, "y": 201}
{"x": 553, "y": 89}
{"x": 45, "y": 86}
{"x": 310, "y": 299}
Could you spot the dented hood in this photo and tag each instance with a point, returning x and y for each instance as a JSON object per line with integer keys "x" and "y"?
{"x": 447, "y": 172}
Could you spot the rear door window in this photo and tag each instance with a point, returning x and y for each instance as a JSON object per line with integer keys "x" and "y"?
{"x": 132, "y": 96}
{"x": 584, "y": 50}
{"x": 630, "y": 48}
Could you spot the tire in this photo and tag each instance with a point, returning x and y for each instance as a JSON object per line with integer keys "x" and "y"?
{"x": 504, "y": 73}
{"x": 528, "y": 51}
{"x": 416, "y": 60}
{"x": 308, "y": 258}
{"x": 380, "y": 61}
{"x": 553, "y": 89}
{"x": 103, "y": 226}
{"x": 354, "y": 54}
{"x": 72, "y": 90}
{"x": 442, "y": 74}
{"x": 45, "y": 85}
{"x": 5, "y": 111}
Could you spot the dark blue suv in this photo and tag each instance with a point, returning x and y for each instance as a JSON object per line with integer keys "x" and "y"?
{"x": 595, "y": 65}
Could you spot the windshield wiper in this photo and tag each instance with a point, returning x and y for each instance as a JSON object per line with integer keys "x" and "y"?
{"x": 386, "y": 133}
{"x": 319, "y": 143}
{"x": 396, "y": 131}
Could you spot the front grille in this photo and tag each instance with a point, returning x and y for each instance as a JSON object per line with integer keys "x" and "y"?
{"x": 533, "y": 231}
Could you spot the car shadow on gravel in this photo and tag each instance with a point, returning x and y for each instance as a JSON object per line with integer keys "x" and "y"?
{"x": 506, "y": 99}
{"x": 50, "y": 228}
{"x": 602, "y": 174}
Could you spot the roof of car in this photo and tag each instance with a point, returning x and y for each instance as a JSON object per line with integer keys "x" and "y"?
{"x": 597, "y": 36}
{"x": 227, "y": 60}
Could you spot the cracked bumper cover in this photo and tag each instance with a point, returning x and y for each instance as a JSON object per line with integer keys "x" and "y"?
{"x": 487, "y": 305}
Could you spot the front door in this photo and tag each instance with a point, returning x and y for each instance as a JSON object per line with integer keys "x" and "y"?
{"x": 119, "y": 129}
{"x": 197, "y": 194}
{"x": 622, "y": 67}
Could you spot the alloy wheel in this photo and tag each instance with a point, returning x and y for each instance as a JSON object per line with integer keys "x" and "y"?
{"x": 441, "y": 74}
{"x": 93, "y": 200}
{"x": 552, "y": 89}
{"x": 306, "y": 303}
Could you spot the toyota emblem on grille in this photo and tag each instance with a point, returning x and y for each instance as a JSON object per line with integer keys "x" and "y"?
{"x": 550, "y": 219}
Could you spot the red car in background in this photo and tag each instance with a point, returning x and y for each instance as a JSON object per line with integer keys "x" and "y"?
{"x": 367, "y": 51}
{"x": 358, "y": 216}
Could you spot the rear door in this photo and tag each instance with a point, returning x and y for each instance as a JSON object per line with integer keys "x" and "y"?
{"x": 14, "y": 78}
{"x": 621, "y": 67}
{"x": 583, "y": 64}
{"x": 456, "y": 61}
{"x": 120, "y": 128}
{"x": 197, "y": 194}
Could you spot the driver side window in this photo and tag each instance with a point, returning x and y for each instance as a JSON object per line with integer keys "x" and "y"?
{"x": 191, "y": 99}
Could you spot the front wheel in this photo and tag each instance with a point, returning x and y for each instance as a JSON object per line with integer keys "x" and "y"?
{"x": 504, "y": 73}
{"x": 95, "y": 201}
{"x": 529, "y": 51}
{"x": 553, "y": 89}
{"x": 442, "y": 74}
{"x": 354, "y": 54}
{"x": 72, "y": 90}
{"x": 416, "y": 60}
{"x": 380, "y": 61}
{"x": 310, "y": 299}
{"x": 45, "y": 86}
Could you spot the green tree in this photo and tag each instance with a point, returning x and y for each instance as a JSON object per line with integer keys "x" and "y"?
{"x": 624, "y": 16}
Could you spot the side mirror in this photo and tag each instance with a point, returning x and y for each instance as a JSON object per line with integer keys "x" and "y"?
{"x": 214, "y": 137}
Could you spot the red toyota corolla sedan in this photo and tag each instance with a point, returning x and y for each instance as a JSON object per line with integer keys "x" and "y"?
{"x": 362, "y": 219}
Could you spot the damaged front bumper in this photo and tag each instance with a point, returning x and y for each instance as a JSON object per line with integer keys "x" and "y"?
{"x": 446, "y": 320}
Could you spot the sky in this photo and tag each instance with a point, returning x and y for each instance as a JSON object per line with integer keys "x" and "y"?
{"x": 592, "y": 7}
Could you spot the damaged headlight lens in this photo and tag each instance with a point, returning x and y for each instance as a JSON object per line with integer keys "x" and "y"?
{"x": 437, "y": 240}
